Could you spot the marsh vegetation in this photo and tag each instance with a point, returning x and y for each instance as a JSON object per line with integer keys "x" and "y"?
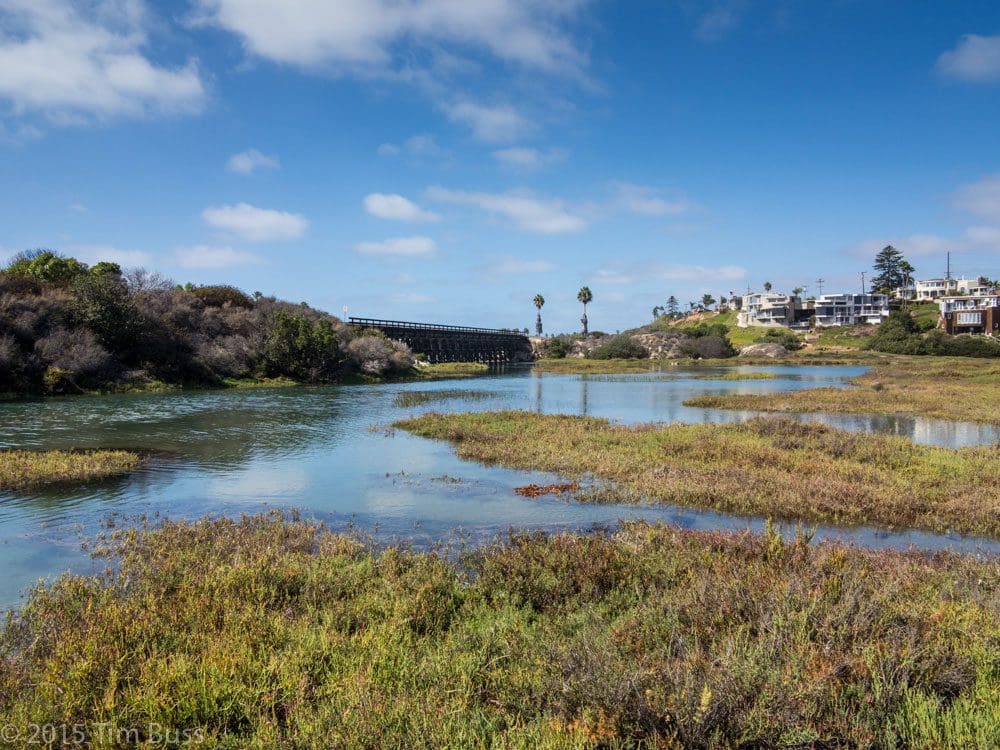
{"x": 265, "y": 632}
{"x": 20, "y": 469}
{"x": 960, "y": 388}
{"x": 764, "y": 467}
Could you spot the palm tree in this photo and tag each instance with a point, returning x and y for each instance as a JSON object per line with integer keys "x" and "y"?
{"x": 657, "y": 312}
{"x": 707, "y": 300}
{"x": 767, "y": 286}
{"x": 797, "y": 291}
{"x": 539, "y": 301}
{"x": 585, "y": 296}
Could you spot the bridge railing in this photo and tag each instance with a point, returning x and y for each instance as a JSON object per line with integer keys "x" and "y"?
{"x": 408, "y": 325}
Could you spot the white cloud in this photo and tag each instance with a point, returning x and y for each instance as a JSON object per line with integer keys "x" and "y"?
{"x": 420, "y": 146}
{"x": 397, "y": 208}
{"x": 211, "y": 256}
{"x": 642, "y": 200}
{"x": 247, "y": 161}
{"x": 981, "y": 198}
{"x": 399, "y": 246}
{"x": 544, "y": 216}
{"x": 378, "y": 35}
{"x": 972, "y": 239}
{"x": 528, "y": 158}
{"x": 72, "y": 62}
{"x": 125, "y": 258}
{"x": 77, "y": 208}
{"x": 975, "y": 59}
{"x": 521, "y": 266}
{"x": 490, "y": 123}
{"x": 256, "y": 224}
{"x": 670, "y": 272}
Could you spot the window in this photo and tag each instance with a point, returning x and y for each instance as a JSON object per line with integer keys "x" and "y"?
{"x": 969, "y": 319}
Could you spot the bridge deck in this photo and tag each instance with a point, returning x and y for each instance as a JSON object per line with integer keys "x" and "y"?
{"x": 447, "y": 343}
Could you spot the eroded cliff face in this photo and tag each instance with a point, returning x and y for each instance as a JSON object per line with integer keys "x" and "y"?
{"x": 659, "y": 345}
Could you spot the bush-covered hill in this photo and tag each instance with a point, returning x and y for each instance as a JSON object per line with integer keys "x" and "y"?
{"x": 66, "y": 327}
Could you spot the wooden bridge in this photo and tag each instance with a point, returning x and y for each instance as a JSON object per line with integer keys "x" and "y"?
{"x": 444, "y": 343}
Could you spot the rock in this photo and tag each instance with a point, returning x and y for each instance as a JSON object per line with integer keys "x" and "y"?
{"x": 662, "y": 345}
{"x": 772, "y": 351}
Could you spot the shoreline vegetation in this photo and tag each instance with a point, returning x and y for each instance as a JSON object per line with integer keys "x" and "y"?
{"x": 767, "y": 467}
{"x": 269, "y": 632}
{"x": 24, "y": 469}
{"x": 956, "y": 388}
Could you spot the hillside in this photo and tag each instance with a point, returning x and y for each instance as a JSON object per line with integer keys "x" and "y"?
{"x": 66, "y": 327}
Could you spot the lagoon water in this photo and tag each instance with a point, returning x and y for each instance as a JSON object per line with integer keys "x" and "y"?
{"x": 326, "y": 451}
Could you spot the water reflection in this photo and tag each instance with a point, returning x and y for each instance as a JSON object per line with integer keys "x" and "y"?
{"x": 313, "y": 449}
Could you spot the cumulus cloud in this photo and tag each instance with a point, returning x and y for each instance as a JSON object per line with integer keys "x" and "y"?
{"x": 638, "y": 199}
{"x": 213, "y": 256}
{"x": 524, "y": 210}
{"x": 406, "y": 247}
{"x": 72, "y": 62}
{"x": 975, "y": 59}
{"x": 981, "y": 198}
{"x": 490, "y": 123}
{"x": 247, "y": 161}
{"x": 378, "y": 35}
{"x": 125, "y": 258}
{"x": 256, "y": 224}
{"x": 397, "y": 208}
{"x": 523, "y": 157}
{"x": 519, "y": 266}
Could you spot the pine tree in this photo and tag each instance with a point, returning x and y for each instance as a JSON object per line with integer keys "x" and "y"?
{"x": 891, "y": 269}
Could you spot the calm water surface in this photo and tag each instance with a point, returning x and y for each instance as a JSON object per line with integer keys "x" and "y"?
{"x": 321, "y": 450}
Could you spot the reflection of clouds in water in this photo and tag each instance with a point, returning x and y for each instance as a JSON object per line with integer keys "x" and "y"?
{"x": 261, "y": 482}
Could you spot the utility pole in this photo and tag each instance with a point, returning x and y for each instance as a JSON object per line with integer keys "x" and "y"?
{"x": 862, "y": 282}
{"x": 947, "y": 273}
{"x": 819, "y": 283}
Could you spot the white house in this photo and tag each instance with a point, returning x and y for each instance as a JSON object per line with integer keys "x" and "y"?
{"x": 769, "y": 309}
{"x": 850, "y": 309}
{"x": 931, "y": 289}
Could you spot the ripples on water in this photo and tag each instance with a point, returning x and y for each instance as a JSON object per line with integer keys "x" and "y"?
{"x": 313, "y": 448}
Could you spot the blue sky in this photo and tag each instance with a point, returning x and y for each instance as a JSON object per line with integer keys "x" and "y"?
{"x": 446, "y": 160}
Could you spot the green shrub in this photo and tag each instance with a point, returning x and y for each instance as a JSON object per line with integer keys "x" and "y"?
{"x": 708, "y": 347}
{"x": 557, "y": 348}
{"x": 900, "y": 334}
{"x": 941, "y": 344}
{"x": 619, "y": 347}
{"x": 222, "y": 294}
{"x": 46, "y": 265}
{"x": 102, "y": 303}
{"x": 780, "y": 336}
{"x": 301, "y": 348}
{"x": 706, "y": 329}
